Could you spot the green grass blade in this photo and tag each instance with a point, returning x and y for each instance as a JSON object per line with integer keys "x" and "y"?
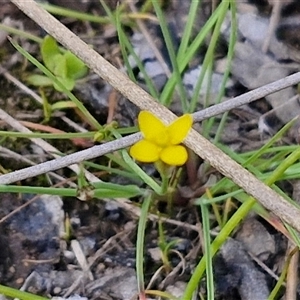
{"x": 67, "y": 12}
{"x": 184, "y": 59}
{"x": 112, "y": 170}
{"x": 126, "y": 44}
{"x": 140, "y": 244}
{"x": 230, "y": 55}
{"x": 67, "y": 192}
{"x": 14, "y": 293}
{"x": 280, "y": 282}
{"x": 188, "y": 27}
{"x": 208, "y": 254}
{"x": 209, "y": 57}
{"x": 273, "y": 139}
{"x": 49, "y": 136}
{"x": 21, "y": 33}
{"x": 171, "y": 51}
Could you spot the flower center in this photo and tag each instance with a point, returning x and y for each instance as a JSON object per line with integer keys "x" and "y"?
{"x": 162, "y": 139}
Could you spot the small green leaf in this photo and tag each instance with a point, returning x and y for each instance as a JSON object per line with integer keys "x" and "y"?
{"x": 107, "y": 193}
{"x": 49, "y": 50}
{"x": 64, "y": 65}
{"x": 112, "y": 190}
{"x": 62, "y": 105}
{"x": 60, "y": 66}
{"x": 75, "y": 67}
{"x": 39, "y": 80}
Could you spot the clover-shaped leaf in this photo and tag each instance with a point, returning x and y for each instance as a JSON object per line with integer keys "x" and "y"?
{"x": 63, "y": 64}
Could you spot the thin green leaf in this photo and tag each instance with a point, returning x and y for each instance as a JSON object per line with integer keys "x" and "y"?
{"x": 171, "y": 51}
{"x": 140, "y": 244}
{"x": 208, "y": 254}
{"x": 14, "y": 293}
{"x": 121, "y": 193}
{"x": 39, "y": 80}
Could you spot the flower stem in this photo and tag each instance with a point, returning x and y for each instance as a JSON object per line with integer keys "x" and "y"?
{"x": 164, "y": 184}
{"x": 164, "y": 171}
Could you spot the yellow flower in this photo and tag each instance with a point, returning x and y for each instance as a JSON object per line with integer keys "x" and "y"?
{"x": 161, "y": 142}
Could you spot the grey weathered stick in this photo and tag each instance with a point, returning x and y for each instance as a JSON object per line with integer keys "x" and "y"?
{"x": 43, "y": 144}
{"x": 247, "y": 97}
{"x": 265, "y": 195}
{"x": 68, "y": 160}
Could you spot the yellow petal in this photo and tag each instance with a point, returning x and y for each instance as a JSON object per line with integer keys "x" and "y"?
{"x": 179, "y": 129}
{"x": 145, "y": 151}
{"x": 150, "y": 125}
{"x": 174, "y": 155}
